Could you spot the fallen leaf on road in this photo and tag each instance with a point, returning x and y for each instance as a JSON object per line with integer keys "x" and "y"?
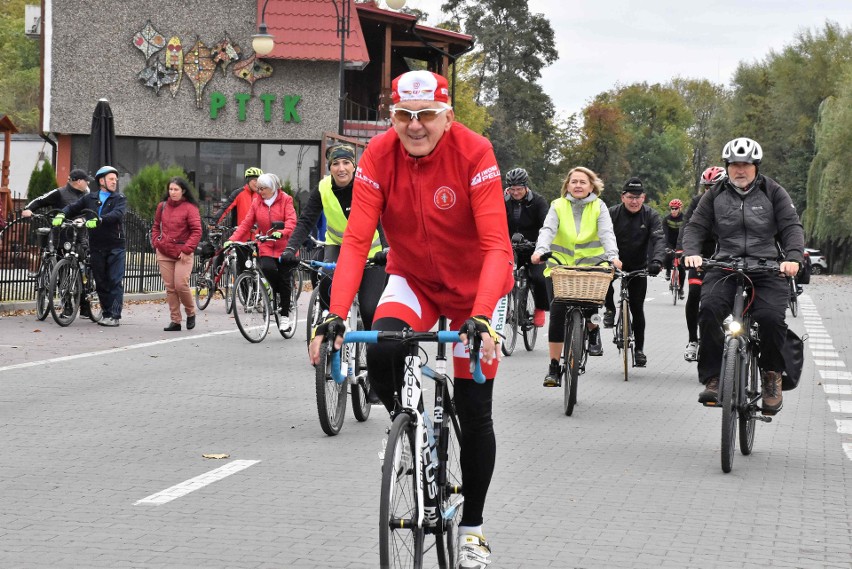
{"x": 216, "y": 455}
{"x": 36, "y": 331}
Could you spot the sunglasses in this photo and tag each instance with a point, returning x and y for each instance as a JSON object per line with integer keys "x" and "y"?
{"x": 675, "y": 208}
{"x": 405, "y": 116}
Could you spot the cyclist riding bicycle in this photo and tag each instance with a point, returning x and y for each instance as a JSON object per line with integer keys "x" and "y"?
{"x": 639, "y": 234}
{"x": 273, "y": 204}
{"x": 746, "y": 214}
{"x": 709, "y": 178}
{"x": 435, "y": 184}
{"x": 526, "y": 211}
{"x": 671, "y": 229}
{"x": 333, "y": 197}
{"x": 577, "y": 231}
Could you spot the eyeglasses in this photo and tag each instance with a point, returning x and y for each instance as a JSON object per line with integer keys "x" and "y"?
{"x": 405, "y": 116}
{"x": 632, "y": 197}
{"x": 675, "y": 208}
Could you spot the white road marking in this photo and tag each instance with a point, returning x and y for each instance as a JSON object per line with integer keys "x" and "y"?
{"x": 829, "y": 363}
{"x": 832, "y": 374}
{"x": 196, "y": 483}
{"x": 833, "y": 389}
{"x": 844, "y": 427}
{"x": 840, "y": 405}
{"x": 822, "y": 342}
{"x": 824, "y": 353}
{"x": 847, "y": 448}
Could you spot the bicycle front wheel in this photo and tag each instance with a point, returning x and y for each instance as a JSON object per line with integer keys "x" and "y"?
{"x": 203, "y": 289}
{"x": 528, "y": 318}
{"x": 251, "y": 307}
{"x": 331, "y": 396}
{"x": 573, "y": 350}
{"x": 728, "y": 393}
{"x": 511, "y": 330}
{"x": 43, "y": 287}
{"x": 360, "y": 385}
{"x": 227, "y": 282}
{"x": 674, "y": 285}
{"x": 314, "y": 313}
{"x": 400, "y": 541}
{"x": 794, "y": 299}
{"x": 65, "y": 289}
{"x": 626, "y": 352}
{"x": 747, "y": 410}
{"x": 449, "y": 490}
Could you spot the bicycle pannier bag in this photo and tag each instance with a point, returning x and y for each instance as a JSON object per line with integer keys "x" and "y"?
{"x": 794, "y": 359}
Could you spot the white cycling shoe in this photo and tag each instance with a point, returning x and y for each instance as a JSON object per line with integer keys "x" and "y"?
{"x": 474, "y": 552}
{"x": 690, "y": 354}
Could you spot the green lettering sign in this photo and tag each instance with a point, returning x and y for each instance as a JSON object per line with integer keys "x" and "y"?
{"x": 267, "y": 99}
{"x": 290, "y": 112}
{"x": 217, "y": 102}
{"x": 242, "y": 99}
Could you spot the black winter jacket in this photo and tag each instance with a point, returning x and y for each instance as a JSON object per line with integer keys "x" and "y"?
{"x": 109, "y": 234}
{"x": 639, "y": 236}
{"x": 533, "y": 208}
{"x": 56, "y": 199}
{"x": 751, "y": 226}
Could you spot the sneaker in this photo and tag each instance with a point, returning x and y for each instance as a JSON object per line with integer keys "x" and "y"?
{"x": 474, "y": 552}
{"x": 771, "y": 392}
{"x": 283, "y": 323}
{"x": 108, "y": 321}
{"x": 640, "y": 358}
{"x": 690, "y": 354}
{"x": 609, "y": 319}
{"x": 538, "y": 318}
{"x": 710, "y": 395}
{"x": 554, "y": 375}
{"x": 595, "y": 348}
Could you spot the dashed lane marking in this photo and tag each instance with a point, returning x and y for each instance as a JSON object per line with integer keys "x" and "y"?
{"x": 832, "y": 389}
{"x": 193, "y": 484}
{"x": 840, "y": 405}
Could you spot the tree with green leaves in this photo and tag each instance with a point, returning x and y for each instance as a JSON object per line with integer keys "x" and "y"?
{"x": 148, "y": 187}
{"x": 42, "y": 180}
{"x": 19, "y": 69}
{"x": 705, "y": 101}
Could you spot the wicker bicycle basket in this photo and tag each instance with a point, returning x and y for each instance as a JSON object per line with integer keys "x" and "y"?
{"x": 581, "y": 284}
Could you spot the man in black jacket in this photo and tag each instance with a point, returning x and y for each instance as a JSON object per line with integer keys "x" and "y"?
{"x": 748, "y": 214}
{"x": 639, "y": 234}
{"x": 526, "y": 212}
{"x": 77, "y": 187}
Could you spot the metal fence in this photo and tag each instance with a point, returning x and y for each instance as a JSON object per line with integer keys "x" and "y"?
{"x": 20, "y": 256}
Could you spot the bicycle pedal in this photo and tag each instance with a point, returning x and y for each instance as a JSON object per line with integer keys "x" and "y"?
{"x": 711, "y": 404}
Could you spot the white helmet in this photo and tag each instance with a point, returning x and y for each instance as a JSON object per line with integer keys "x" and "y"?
{"x": 742, "y": 150}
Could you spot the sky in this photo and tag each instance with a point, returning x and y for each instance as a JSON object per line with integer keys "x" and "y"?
{"x": 602, "y": 43}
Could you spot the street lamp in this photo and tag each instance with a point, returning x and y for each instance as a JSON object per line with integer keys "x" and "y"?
{"x": 263, "y": 42}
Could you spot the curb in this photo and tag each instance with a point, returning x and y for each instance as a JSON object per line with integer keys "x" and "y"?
{"x": 13, "y": 306}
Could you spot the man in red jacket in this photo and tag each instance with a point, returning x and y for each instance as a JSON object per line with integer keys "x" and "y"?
{"x": 437, "y": 188}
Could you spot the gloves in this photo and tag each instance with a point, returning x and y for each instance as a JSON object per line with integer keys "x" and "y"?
{"x": 518, "y": 238}
{"x": 332, "y": 326}
{"x": 475, "y": 325}
{"x": 654, "y": 268}
{"x": 227, "y": 244}
{"x": 57, "y": 221}
{"x": 288, "y": 258}
{"x": 381, "y": 258}
{"x": 679, "y": 253}
{"x": 92, "y": 223}
{"x": 277, "y": 235}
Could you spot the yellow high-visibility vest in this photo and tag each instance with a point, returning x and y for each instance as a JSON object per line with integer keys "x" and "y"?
{"x": 336, "y": 220}
{"x": 570, "y": 246}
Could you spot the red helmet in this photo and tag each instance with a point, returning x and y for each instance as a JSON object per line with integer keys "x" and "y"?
{"x": 676, "y": 203}
{"x": 712, "y": 175}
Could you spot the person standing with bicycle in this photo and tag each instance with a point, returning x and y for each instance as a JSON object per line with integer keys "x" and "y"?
{"x": 671, "y": 229}
{"x": 753, "y": 218}
{"x": 639, "y": 233}
{"x": 576, "y": 231}
{"x": 175, "y": 234}
{"x": 435, "y": 184}
{"x": 709, "y": 177}
{"x": 526, "y": 212}
{"x": 107, "y": 254}
{"x": 273, "y": 205}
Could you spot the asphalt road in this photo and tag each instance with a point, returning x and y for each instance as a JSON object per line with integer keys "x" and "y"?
{"x": 103, "y": 432}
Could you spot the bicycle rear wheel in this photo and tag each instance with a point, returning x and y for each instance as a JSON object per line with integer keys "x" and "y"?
{"x": 573, "y": 351}
{"x": 747, "y": 411}
{"x": 65, "y": 290}
{"x": 449, "y": 489}
{"x": 400, "y": 541}
{"x": 527, "y": 313}
{"x": 227, "y": 282}
{"x": 674, "y": 285}
{"x": 331, "y": 396}
{"x": 43, "y": 287}
{"x": 204, "y": 288}
{"x": 511, "y": 330}
{"x": 360, "y": 386}
{"x": 626, "y": 343}
{"x": 728, "y": 393}
{"x": 251, "y": 307}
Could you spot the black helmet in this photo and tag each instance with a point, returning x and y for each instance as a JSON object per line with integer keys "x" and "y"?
{"x": 517, "y": 177}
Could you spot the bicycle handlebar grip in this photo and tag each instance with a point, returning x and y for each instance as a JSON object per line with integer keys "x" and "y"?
{"x": 362, "y": 337}
{"x": 336, "y": 374}
{"x": 448, "y": 336}
{"x": 323, "y": 265}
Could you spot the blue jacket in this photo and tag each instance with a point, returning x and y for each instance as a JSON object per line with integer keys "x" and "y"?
{"x": 109, "y": 234}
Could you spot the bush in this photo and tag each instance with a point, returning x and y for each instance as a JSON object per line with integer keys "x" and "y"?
{"x": 41, "y": 181}
{"x": 149, "y": 186}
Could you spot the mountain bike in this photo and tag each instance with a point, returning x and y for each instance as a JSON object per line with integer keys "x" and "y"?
{"x": 739, "y": 389}
{"x": 253, "y": 300}
{"x": 623, "y": 337}
{"x": 72, "y": 281}
{"x": 421, "y": 492}
{"x": 47, "y": 238}
{"x": 217, "y": 273}
{"x": 582, "y": 289}
{"x": 521, "y": 304}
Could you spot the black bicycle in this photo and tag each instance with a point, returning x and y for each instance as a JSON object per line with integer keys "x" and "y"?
{"x": 739, "y": 388}
{"x": 795, "y": 291}
{"x": 217, "y": 271}
{"x": 520, "y": 303}
{"x": 623, "y": 337}
{"x": 47, "y": 238}
{"x": 72, "y": 282}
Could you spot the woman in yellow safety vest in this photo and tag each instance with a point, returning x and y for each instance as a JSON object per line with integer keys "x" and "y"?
{"x": 577, "y": 231}
{"x": 333, "y": 197}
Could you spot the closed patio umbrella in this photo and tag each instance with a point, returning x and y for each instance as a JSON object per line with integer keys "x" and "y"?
{"x": 102, "y": 149}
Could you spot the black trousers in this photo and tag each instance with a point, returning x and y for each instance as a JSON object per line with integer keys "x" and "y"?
{"x": 369, "y": 293}
{"x": 637, "y": 289}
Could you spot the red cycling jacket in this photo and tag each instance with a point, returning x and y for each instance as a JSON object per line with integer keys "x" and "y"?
{"x": 443, "y": 216}
{"x": 263, "y": 215}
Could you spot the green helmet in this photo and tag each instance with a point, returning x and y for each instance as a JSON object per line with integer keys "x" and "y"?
{"x": 253, "y": 172}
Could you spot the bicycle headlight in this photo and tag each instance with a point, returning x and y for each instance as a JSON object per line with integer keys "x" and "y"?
{"x": 248, "y": 263}
{"x": 67, "y": 245}
{"x": 596, "y": 319}
{"x": 734, "y": 327}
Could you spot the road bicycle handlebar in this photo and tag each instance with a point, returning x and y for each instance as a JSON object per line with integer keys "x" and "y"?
{"x": 741, "y": 265}
{"x": 375, "y": 336}
{"x": 630, "y": 274}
